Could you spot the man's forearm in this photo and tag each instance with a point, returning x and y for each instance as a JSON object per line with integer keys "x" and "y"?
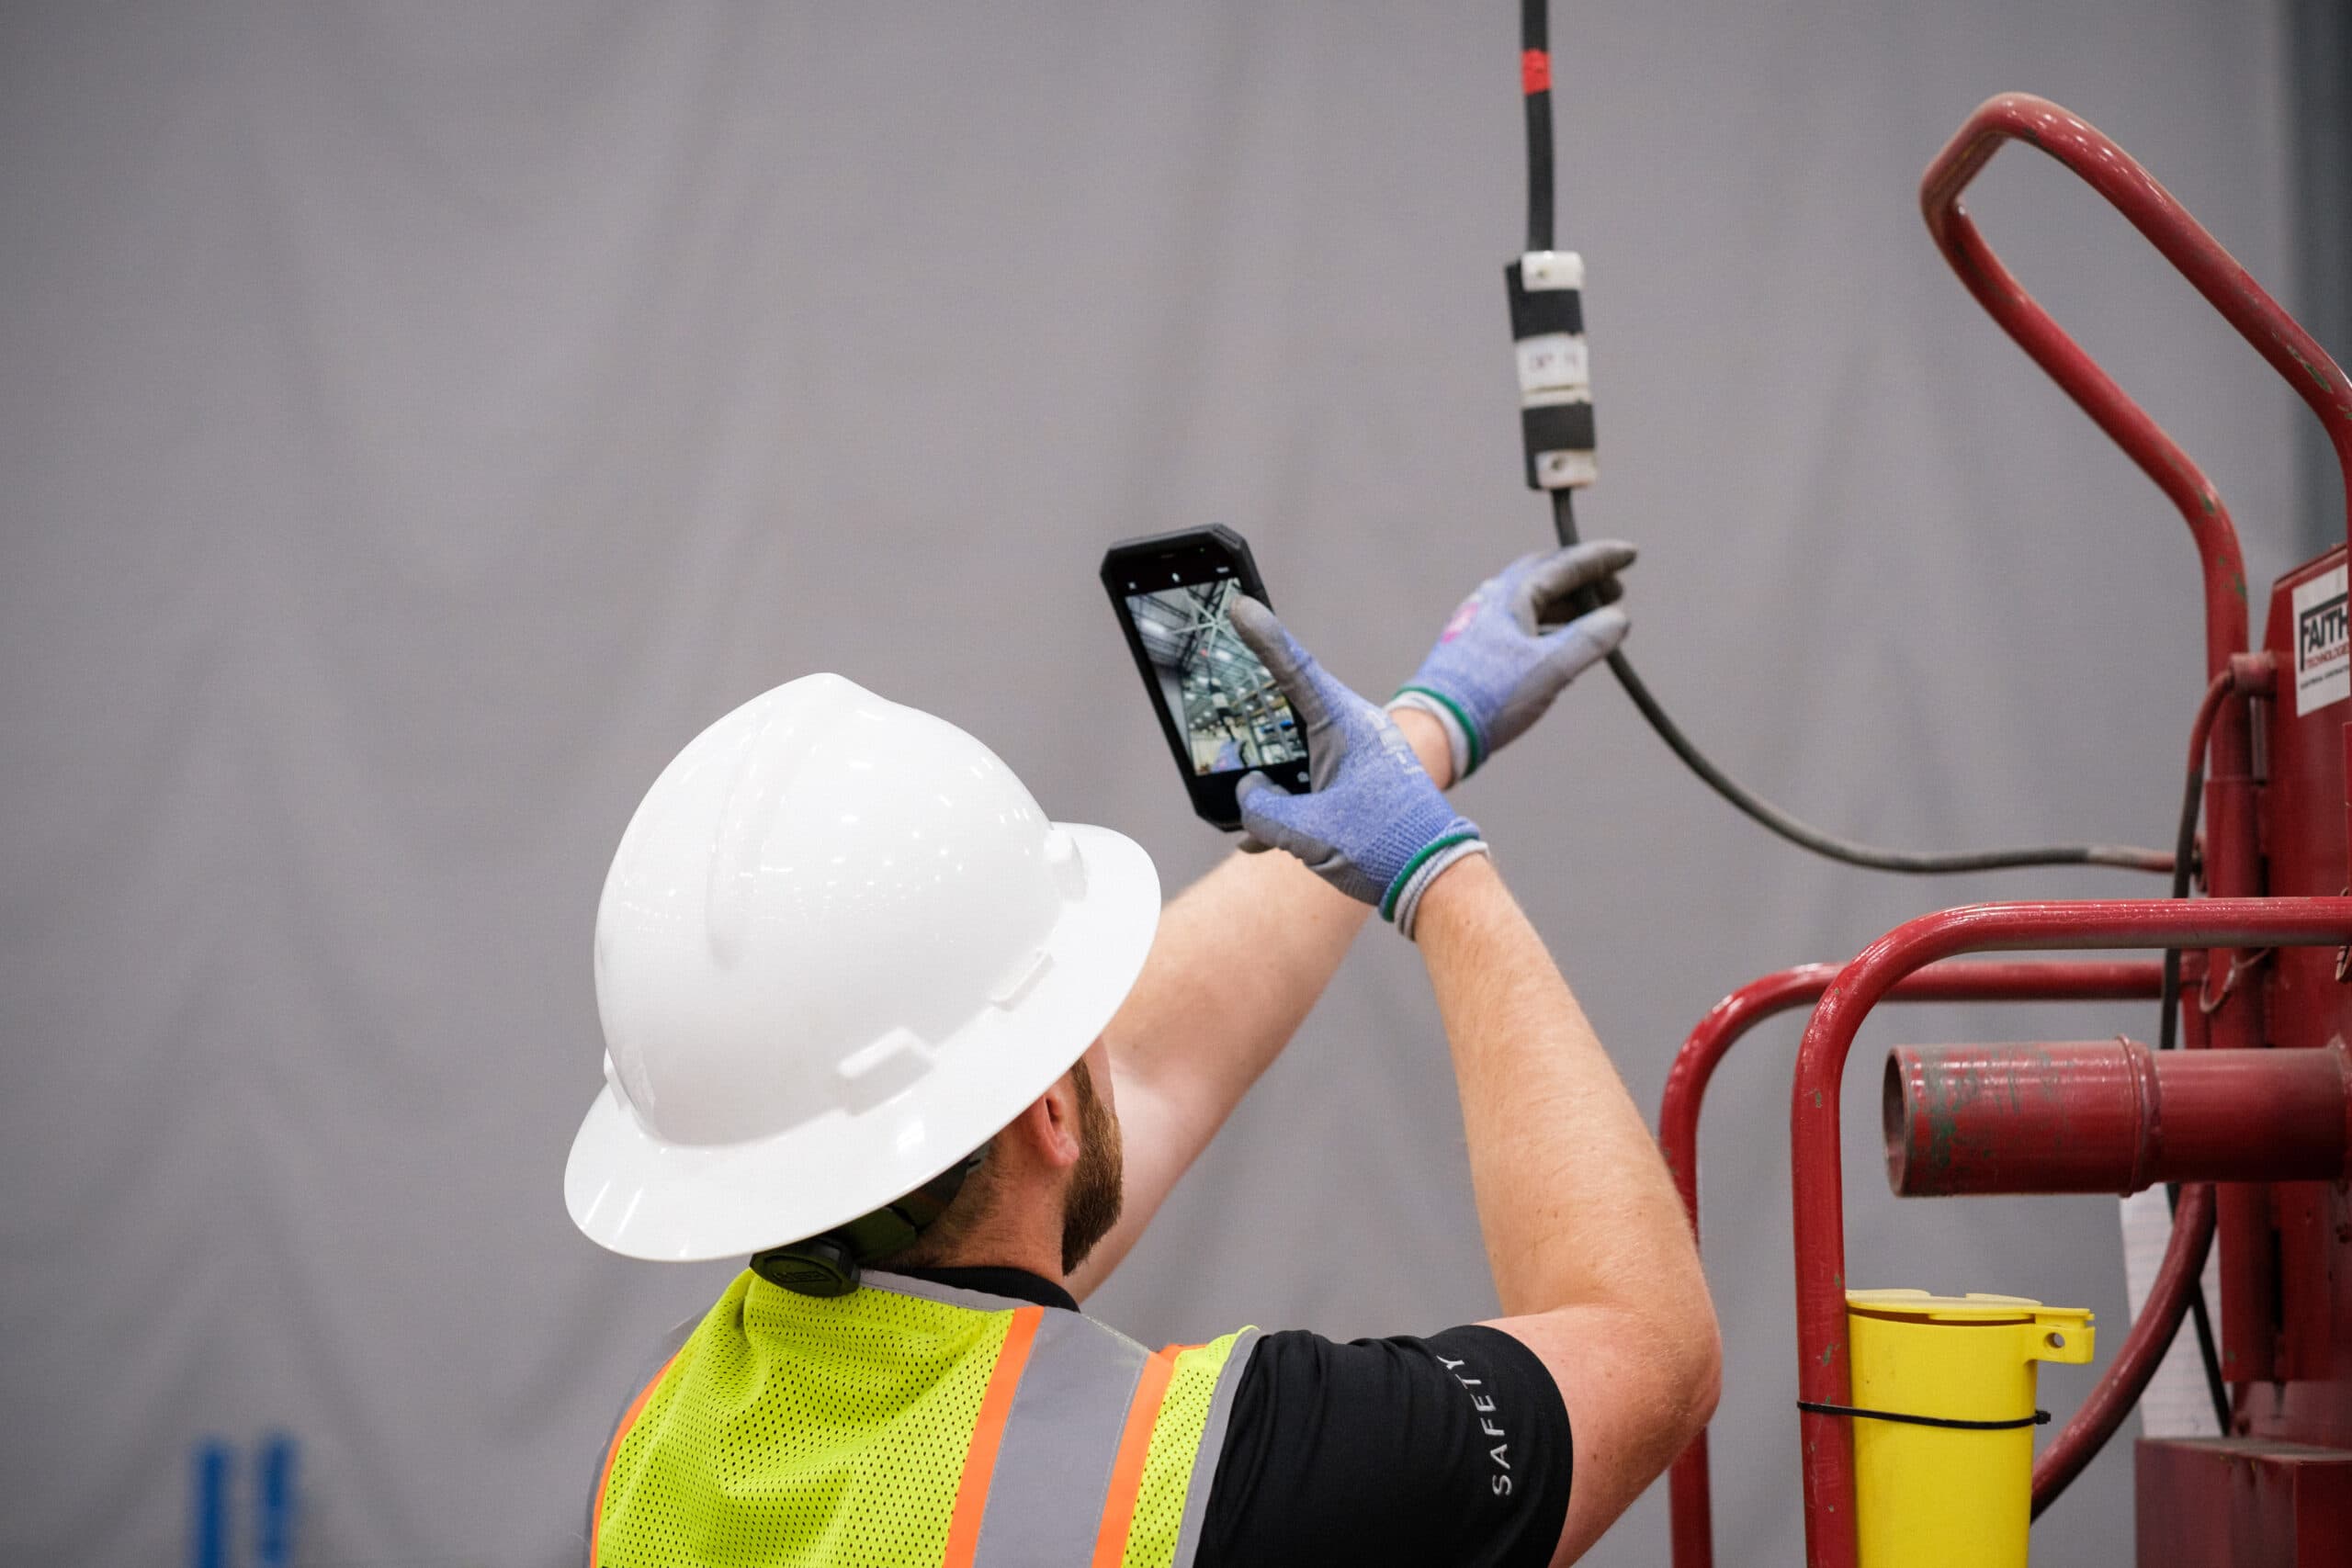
{"x": 1576, "y": 1204}
{"x": 1595, "y": 1266}
{"x": 1240, "y": 959}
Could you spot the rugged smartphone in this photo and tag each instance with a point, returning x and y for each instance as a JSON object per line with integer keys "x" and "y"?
{"x": 1219, "y": 705}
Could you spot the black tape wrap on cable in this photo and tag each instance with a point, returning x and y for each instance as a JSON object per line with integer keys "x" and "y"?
{"x": 1555, "y": 417}
{"x": 1535, "y": 312}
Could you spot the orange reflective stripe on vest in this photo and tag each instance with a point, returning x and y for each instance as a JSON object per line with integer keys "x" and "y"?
{"x": 1127, "y": 1469}
{"x": 980, "y": 1459}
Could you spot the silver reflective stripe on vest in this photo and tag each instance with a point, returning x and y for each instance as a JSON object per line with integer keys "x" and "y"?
{"x": 945, "y": 1295}
{"x": 1196, "y": 1496}
{"x": 1052, "y": 1466}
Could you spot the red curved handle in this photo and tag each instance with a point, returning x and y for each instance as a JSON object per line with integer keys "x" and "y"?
{"x": 2215, "y": 273}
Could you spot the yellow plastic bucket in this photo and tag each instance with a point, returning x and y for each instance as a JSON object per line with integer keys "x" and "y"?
{"x": 1927, "y": 1496}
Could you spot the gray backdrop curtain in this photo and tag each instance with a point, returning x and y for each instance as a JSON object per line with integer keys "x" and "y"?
{"x": 417, "y": 421}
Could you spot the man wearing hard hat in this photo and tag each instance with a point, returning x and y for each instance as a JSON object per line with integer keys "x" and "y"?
{"x": 933, "y": 1060}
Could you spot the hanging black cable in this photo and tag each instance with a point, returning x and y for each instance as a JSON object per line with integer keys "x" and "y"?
{"x": 1535, "y": 86}
{"x": 2184, "y": 855}
{"x": 1536, "y": 77}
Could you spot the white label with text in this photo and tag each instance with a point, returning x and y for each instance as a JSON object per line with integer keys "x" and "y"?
{"x": 2323, "y": 648}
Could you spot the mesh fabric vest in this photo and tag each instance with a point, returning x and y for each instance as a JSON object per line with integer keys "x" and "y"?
{"x": 909, "y": 1425}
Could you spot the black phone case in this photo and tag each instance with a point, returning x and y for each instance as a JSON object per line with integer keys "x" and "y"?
{"x": 1212, "y": 794}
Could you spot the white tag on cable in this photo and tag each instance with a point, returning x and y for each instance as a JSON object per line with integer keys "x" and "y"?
{"x": 1542, "y": 270}
{"x": 1566, "y": 470}
{"x": 1555, "y": 362}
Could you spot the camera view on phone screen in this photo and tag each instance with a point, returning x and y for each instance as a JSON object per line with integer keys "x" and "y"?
{"x": 1234, "y": 716}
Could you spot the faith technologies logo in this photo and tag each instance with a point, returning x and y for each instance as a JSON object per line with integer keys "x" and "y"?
{"x": 2323, "y": 633}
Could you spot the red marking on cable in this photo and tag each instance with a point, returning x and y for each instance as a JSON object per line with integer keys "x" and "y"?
{"x": 1535, "y": 72}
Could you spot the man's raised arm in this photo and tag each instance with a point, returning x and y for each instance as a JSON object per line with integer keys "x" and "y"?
{"x": 1592, "y": 1256}
{"x": 1242, "y": 955}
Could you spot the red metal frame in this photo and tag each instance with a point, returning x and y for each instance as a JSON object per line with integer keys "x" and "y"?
{"x": 2287, "y": 1248}
{"x": 2233, "y": 868}
{"x": 1902, "y": 963}
{"x": 2184, "y": 1262}
{"x": 1729, "y": 1020}
{"x": 1824, "y": 1375}
{"x": 2231, "y": 858}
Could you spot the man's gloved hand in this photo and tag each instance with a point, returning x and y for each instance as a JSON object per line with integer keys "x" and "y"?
{"x": 1496, "y": 669}
{"x": 1373, "y": 823}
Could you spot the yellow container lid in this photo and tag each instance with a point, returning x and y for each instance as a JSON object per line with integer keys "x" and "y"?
{"x": 1976, "y": 1306}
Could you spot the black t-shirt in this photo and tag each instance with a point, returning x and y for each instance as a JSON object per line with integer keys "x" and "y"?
{"x": 1454, "y": 1449}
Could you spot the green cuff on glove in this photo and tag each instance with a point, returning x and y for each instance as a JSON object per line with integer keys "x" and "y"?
{"x": 1401, "y": 905}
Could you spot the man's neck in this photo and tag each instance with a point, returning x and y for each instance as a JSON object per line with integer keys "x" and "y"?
{"x": 1033, "y": 1249}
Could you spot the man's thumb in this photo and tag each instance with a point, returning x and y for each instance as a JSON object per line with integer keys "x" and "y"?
{"x": 1267, "y": 814}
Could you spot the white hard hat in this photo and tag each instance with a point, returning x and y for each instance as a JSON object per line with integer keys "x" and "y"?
{"x": 839, "y": 949}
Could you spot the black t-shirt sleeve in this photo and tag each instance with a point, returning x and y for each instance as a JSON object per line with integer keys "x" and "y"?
{"x": 1454, "y": 1449}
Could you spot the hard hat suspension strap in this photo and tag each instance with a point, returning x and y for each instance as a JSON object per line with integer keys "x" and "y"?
{"x": 829, "y": 1265}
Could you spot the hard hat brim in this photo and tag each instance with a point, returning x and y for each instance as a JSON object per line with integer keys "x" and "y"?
{"x": 630, "y": 1191}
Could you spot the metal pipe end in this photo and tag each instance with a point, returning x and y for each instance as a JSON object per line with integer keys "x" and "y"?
{"x": 1895, "y": 1117}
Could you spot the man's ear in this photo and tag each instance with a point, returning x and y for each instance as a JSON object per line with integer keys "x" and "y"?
{"x": 1050, "y": 1126}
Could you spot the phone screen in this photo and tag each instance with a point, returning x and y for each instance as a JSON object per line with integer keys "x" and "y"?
{"x": 1233, "y": 718}
{"x": 1222, "y": 715}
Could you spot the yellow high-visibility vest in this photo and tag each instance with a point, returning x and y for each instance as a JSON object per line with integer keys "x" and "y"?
{"x": 910, "y": 1425}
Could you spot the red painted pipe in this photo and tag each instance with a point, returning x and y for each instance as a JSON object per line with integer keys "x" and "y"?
{"x": 1824, "y": 1373}
{"x": 2139, "y": 979}
{"x": 2109, "y": 1116}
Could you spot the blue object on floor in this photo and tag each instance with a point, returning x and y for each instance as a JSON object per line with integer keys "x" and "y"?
{"x": 277, "y": 1480}
{"x": 212, "y": 1465}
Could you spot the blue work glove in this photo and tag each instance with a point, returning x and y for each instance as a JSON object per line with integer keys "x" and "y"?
{"x": 1497, "y": 668}
{"x": 1373, "y": 823}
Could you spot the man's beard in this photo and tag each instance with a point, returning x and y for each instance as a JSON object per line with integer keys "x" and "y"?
{"x": 1097, "y": 1182}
